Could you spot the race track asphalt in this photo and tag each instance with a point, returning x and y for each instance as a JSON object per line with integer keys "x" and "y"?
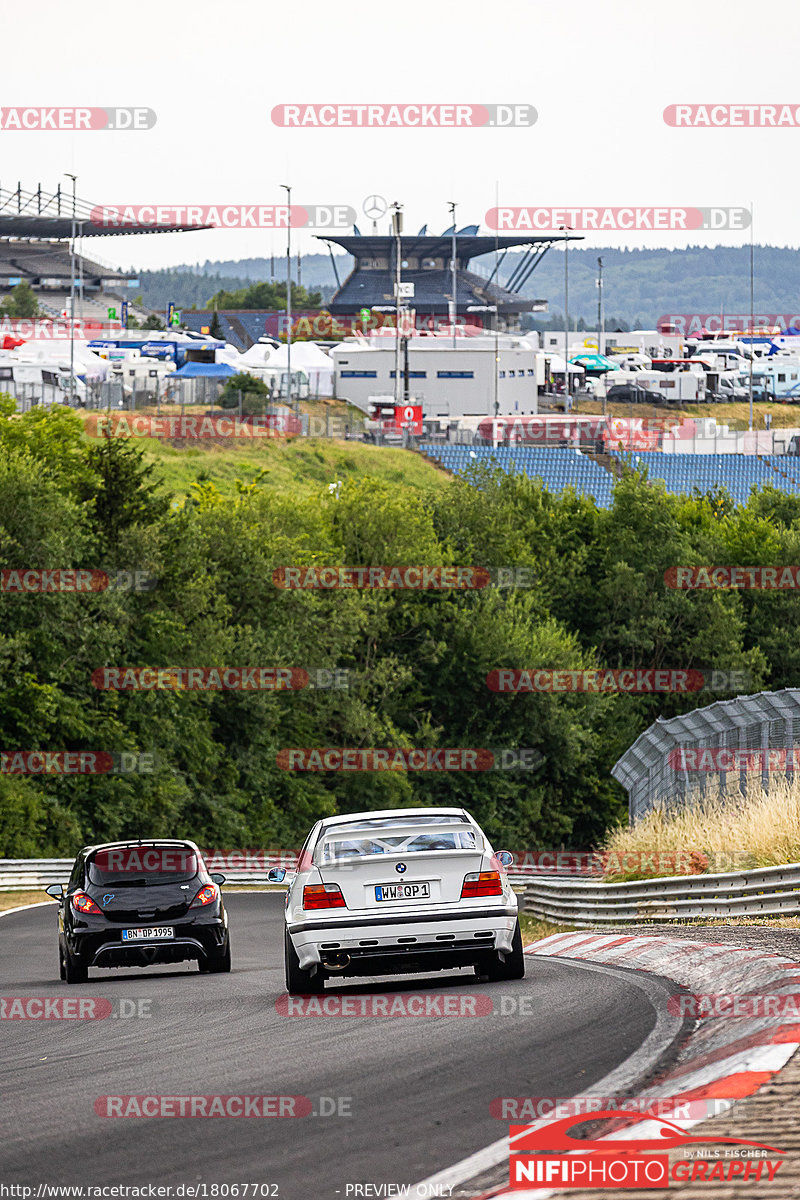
{"x": 417, "y": 1089}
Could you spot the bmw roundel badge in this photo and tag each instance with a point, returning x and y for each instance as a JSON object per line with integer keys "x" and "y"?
{"x": 400, "y": 867}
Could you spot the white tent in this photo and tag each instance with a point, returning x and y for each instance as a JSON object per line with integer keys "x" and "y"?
{"x": 306, "y": 357}
{"x": 557, "y": 365}
{"x": 256, "y": 356}
{"x": 49, "y": 353}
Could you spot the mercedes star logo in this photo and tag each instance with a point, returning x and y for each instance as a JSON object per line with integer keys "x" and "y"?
{"x": 374, "y": 207}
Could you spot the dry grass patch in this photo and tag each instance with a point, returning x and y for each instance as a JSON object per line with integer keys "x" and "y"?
{"x": 720, "y": 829}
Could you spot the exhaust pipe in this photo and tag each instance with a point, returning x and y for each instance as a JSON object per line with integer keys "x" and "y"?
{"x": 338, "y": 962}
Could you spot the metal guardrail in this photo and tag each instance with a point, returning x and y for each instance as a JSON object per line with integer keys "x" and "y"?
{"x": 32, "y": 874}
{"x": 560, "y": 900}
{"x": 769, "y": 890}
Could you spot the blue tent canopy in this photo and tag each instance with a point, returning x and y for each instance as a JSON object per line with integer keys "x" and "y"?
{"x": 194, "y": 370}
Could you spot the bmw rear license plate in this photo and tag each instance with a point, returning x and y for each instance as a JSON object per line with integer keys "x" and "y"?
{"x": 403, "y": 891}
{"x": 149, "y": 934}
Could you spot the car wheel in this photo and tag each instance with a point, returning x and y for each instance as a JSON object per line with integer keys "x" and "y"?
{"x": 513, "y": 966}
{"x": 62, "y": 972}
{"x": 74, "y": 971}
{"x": 217, "y": 966}
{"x": 298, "y": 981}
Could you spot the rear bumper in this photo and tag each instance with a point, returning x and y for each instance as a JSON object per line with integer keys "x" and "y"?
{"x": 191, "y": 942}
{"x": 387, "y": 942}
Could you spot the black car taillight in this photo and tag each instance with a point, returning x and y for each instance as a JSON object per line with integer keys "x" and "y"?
{"x": 207, "y": 895}
{"x": 85, "y": 904}
{"x": 482, "y": 883}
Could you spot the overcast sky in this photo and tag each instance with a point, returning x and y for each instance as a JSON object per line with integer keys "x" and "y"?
{"x": 599, "y": 76}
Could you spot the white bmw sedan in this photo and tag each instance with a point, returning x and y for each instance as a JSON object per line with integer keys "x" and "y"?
{"x": 398, "y": 891}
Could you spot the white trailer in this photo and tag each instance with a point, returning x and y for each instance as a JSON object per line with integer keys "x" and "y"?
{"x": 675, "y": 386}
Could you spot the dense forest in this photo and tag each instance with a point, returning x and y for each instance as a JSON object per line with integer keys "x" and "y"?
{"x": 418, "y": 660}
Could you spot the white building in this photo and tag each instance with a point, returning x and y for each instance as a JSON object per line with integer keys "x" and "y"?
{"x": 448, "y": 381}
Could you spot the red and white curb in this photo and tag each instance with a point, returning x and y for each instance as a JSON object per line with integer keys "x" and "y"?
{"x": 725, "y": 1058}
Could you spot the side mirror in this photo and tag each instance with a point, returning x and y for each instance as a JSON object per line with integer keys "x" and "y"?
{"x": 55, "y": 889}
{"x": 504, "y": 857}
{"x": 217, "y": 877}
{"x": 276, "y": 875}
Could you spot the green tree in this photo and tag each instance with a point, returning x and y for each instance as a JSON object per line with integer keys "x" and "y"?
{"x": 254, "y": 394}
{"x": 270, "y": 296}
{"x": 22, "y": 302}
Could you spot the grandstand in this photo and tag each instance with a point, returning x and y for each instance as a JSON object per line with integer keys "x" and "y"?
{"x": 47, "y": 267}
{"x": 682, "y": 473}
{"x": 35, "y": 233}
{"x": 425, "y": 263}
{"x": 560, "y": 468}
{"x": 557, "y": 468}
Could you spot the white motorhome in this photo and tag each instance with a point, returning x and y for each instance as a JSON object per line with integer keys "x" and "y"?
{"x": 32, "y": 384}
{"x": 141, "y": 374}
{"x": 780, "y": 374}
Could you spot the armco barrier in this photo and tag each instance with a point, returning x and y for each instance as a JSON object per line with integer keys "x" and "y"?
{"x": 32, "y": 874}
{"x": 764, "y": 892}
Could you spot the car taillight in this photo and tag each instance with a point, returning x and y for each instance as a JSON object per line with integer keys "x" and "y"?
{"x": 206, "y": 895}
{"x": 482, "y": 883}
{"x": 323, "y": 895}
{"x": 84, "y": 904}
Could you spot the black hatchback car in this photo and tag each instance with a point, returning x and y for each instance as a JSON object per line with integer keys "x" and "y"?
{"x": 133, "y": 904}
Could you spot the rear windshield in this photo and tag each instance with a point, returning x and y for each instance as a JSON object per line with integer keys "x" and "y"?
{"x": 376, "y": 837}
{"x": 143, "y": 865}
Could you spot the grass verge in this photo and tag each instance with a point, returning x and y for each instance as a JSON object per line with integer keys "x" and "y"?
{"x": 16, "y": 899}
{"x": 533, "y": 929}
